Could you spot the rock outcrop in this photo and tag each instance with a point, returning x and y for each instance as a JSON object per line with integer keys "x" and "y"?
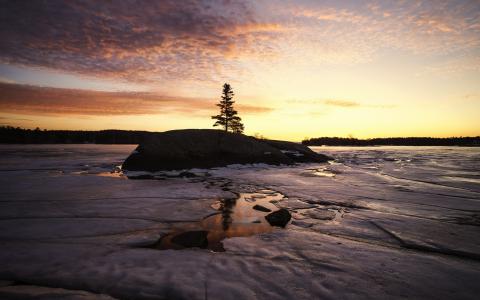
{"x": 297, "y": 152}
{"x": 206, "y": 148}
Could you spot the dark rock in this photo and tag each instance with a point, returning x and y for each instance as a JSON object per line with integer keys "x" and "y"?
{"x": 143, "y": 176}
{"x": 6, "y": 283}
{"x": 190, "y": 239}
{"x": 207, "y": 148}
{"x": 187, "y": 174}
{"x": 298, "y": 152}
{"x": 261, "y": 208}
{"x": 279, "y": 218}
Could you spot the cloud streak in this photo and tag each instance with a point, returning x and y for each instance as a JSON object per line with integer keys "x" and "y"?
{"x": 341, "y": 103}
{"x": 25, "y": 99}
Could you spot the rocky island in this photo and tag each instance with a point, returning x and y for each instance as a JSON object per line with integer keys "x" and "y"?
{"x": 208, "y": 148}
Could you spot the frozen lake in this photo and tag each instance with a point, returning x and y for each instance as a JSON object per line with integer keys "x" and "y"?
{"x": 377, "y": 223}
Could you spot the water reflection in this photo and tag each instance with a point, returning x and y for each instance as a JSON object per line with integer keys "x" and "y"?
{"x": 226, "y": 207}
{"x": 236, "y": 218}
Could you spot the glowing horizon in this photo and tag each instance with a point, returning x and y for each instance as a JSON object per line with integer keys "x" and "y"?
{"x": 298, "y": 68}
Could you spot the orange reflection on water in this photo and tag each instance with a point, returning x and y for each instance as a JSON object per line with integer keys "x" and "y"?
{"x": 236, "y": 218}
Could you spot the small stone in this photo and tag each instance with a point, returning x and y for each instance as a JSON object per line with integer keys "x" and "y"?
{"x": 261, "y": 208}
{"x": 279, "y": 218}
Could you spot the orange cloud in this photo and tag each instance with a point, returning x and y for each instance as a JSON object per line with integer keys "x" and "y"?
{"x": 25, "y": 99}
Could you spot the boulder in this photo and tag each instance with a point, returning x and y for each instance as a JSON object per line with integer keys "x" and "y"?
{"x": 208, "y": 148}
{"x": 279, "y": 218}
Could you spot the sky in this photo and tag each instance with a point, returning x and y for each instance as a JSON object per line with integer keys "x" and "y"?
{"x": 299, "y": 69}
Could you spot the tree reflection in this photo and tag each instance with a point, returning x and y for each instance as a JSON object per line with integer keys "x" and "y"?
{"x": 227, "y": 209}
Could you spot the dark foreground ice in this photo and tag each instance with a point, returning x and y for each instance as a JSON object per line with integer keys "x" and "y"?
{"x": 378, "y": 223}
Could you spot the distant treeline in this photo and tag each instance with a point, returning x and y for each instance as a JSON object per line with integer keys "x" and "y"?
{"x": 12, "y": 135}
{"x": 17, "y": 135}
{"x": 407, "y": 141}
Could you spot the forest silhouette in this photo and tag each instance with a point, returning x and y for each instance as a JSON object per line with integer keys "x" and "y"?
{"x": 17, "y": 135}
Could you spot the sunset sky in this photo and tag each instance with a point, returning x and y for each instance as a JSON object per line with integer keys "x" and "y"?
{"x": 298, "y": 68}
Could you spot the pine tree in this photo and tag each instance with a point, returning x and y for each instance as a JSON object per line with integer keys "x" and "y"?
{"x": 228, "y": 117}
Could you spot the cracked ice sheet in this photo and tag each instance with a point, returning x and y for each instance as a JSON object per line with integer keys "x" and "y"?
{"x": 38, "y": 292}
{"x": 336, "y": 267}
{"x": 93, "y": 253}
{"x": 293, "y": 264}
{"x": 357, "y": 189}
{"x": 428, "y": 235}
{"x": 439, "y": 221}
{"x": 39, "y": 204}
{"x": 61, "y": 158}
{"x": 87, "y": 206}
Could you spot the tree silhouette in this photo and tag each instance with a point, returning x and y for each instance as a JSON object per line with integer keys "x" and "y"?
{"x": 228, "y": 117}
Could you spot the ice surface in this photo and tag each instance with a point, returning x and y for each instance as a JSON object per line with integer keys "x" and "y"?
{"x": 377, "y": 223}
{"x": 37, "y": 292}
